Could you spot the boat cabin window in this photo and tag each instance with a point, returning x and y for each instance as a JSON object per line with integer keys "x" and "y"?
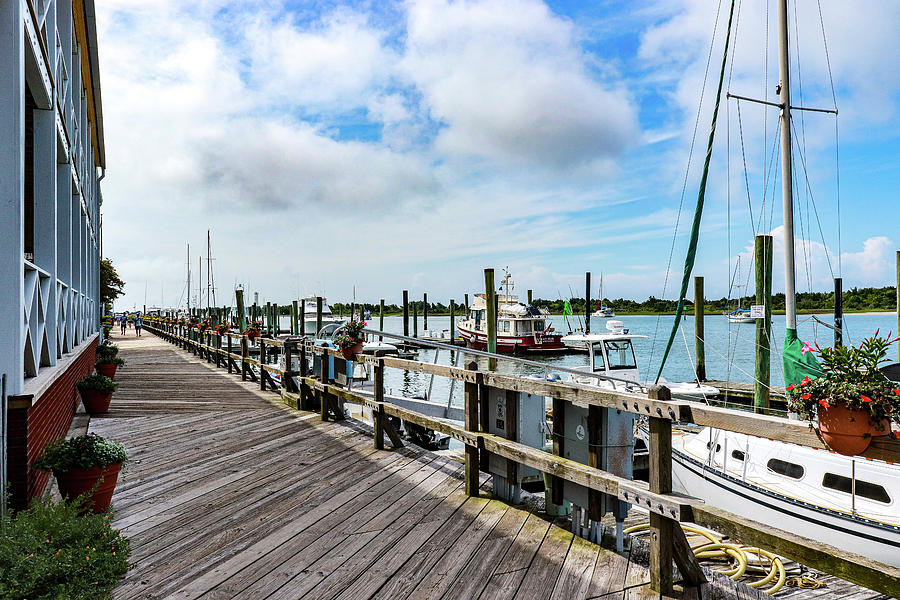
{"x": 864, "y": 489}
{"x": 788, "y": 469}
{"x": 538, "y": 325}
{"x": 738, "y": 454}
{"x": 599, "y": 365}
{"x": 523, "y": 327}
{"x": 709, "y": 446}
{"x": 620, "y": 354}
{"x": 504, "y": 326}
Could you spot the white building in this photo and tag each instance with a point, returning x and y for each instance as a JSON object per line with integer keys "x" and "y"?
{"x": 51, "y": 163}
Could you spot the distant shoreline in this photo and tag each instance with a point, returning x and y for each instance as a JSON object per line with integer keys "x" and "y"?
{"x": 687, "y": 313}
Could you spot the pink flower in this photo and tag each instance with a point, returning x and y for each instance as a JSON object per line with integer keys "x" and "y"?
{"x": 806, "y": 348}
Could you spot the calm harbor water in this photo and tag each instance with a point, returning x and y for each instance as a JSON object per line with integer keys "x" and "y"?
{"x": 730, "y": 348}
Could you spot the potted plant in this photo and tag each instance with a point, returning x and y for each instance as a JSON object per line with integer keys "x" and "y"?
{"x": 221, "y": 328}
{"x": 84, "y": 464}
{"x": 107, "y": 365}
{"x": 853, "y": 400}
{"x": 253, "y": 331}
{"x": 96, "y": 392}
{"x": 350, "y": 339}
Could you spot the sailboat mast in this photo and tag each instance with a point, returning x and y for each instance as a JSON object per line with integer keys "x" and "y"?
{"x": 787, "y": 193}
{"x": 189, "y": 279}
{"x": 208, "y": 275}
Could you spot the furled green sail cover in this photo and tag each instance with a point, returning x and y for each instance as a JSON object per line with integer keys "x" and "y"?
{"x": 797, "y": 363}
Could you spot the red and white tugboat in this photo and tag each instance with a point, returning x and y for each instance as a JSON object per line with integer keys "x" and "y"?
{"x": 520, "y": 329}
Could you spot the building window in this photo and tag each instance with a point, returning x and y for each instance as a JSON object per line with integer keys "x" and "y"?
{"x": 788, "y": 469}
{"x": 864, "y": 489}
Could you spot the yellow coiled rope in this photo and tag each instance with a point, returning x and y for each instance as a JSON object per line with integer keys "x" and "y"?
{"x": 718, "y": 549}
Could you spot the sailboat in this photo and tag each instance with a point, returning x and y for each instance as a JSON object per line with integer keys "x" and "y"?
{"x": 846, "y": 502}
{"x": 739, "y": 315}
{"x": 603, "y": 312}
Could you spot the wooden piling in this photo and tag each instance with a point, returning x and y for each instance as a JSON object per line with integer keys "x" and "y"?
{"x": 489, "y": 295}
{"x": 529, "y": 297}
{"x": 242, "y": 316}
{"x": 325, "y": 378}
{"x": 415, "y": 320}
{"x": 302, "y": 317}
{"x": 838, "y": 312}
{"x": 319, "y": 303}
{"x": 762, "y": 248}
{"x": 405, "y": 313}
{"x": 452, "y": 321}
{"x": 587, "y": 302}
{"x": 425, "y": 313}
{"x": 245, "y": 351}
{"x": 295, "y": 330}
{"x": 378, "y": 415}
{"x": 699, "y": 322}
{"x": 381, "y": 319}
{"x": 262, "y": 363}
{"x": 661, "y": 528}
{"x": 559, "y": 447}
{"x": 471, "y": 423}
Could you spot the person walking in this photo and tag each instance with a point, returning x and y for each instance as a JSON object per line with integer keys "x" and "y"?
{"x": 138, "y": 323}
{"x": 124, "y": 321}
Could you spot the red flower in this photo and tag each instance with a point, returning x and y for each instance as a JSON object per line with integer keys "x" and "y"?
{"x": 823, "y": 402}
{"x": 805, "y": 380}
{"x": 790, "y": 387}
{"x": 865, "y": 398}
{"x": 897, "y": 391}
{"x": 806, "y": 396}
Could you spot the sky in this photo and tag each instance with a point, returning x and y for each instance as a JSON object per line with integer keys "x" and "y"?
{"x": 333, "y": 147}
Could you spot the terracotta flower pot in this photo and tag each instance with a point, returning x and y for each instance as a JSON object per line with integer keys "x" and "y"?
{"x": 252, "y": 336}
{"x": 81, "y": 481}
{"x": 106, "y": 369}
{"x": 350, "y": 351}
{"x": 96, "y": 401}
{"x": 849, "y": 431}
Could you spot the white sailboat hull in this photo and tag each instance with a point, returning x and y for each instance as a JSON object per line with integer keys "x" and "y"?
{"x": 862, "y": 536}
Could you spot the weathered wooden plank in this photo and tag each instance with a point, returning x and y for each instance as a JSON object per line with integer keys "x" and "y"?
{"x": 575, "y": 578}
{"x": 544, "y": 570}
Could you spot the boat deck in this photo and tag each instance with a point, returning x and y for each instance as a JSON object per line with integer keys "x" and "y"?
{"x": 231, "y": 494}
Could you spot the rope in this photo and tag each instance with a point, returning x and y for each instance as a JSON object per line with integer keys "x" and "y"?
{"x": 698, "y": 211}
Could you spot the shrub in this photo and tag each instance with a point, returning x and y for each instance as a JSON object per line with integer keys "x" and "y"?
{"x": 81, "y": 452}
{"x": 50, "y": 551}
{"x": 110, "y": 360}
{"x": 98, "y": 382}
{"x": 107, "y": 350}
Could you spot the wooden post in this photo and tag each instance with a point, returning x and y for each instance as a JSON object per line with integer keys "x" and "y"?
{"x": 302, "y": 317}
{"x": 318, "y": 315}
{"x": 763, "y": 258}
{"x": 661, "y": 528}
{"x": 559, "y": 447}
{"x": 471, "y": 417}
{"x": 489, "y": 295}
{"x": 529, "y": 297}
{"x": 466, "y": 300}
{"x": 595, "y": 441}
{"x": 452, "y": 321}
{"x": 228, "y": 360}
{"x": 587, "y": 302}
{"x": 838, "y": 312}
{"x": 245, "y": 350}
{"x": 262, "y": 363}
{"x": 304, "y": 373}
{"x": 405, "y": 313}
{"x": 699, "y": 322}
{"x": 326, "y": 376}
{"x": 218, "y": 349}
{"x": 287, "y": 377}
{"x": 415, "y": 320}
{"x": 381, "y": 319}
{"x": 378, "y": 415}
{"x": 512, "y": 434}
{"x": 295, "y": 330}
{"x": 425, "y": 313}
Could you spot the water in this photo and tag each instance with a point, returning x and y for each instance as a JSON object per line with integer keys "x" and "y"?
{"x": 730, "y": 349}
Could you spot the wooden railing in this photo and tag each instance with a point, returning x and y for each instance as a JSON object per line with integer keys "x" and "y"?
{"x": 667, "y": 540}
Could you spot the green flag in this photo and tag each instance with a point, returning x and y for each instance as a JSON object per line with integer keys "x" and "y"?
{"x": 797, "y": 363}
{"x": 567, "y": 308}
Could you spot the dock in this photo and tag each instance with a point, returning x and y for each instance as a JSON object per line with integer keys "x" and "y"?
{"x": 235, "y": 489}
{"x": 231, "y": 494}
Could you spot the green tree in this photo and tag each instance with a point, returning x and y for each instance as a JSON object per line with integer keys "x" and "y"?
{"x": 110, "y": 283}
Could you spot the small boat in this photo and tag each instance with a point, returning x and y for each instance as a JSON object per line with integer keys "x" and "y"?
{"x": 612, "y": 354}
{"x": 602, "y": 312}
{"x": 521, "y": 329}
{"x": 308, "y": 314}
{"x": 741, "y": 315}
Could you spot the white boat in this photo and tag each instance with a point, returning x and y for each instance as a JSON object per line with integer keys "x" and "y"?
{"x": 848, "y": 503}
{"x": 741, "y": 315}
{"x": 612, "y": 354}
{"x": 602, "y": 312}
{"x": 308, "y": 314}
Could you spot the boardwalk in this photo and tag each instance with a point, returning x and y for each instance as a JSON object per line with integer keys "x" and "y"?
{"x": 230, "y": 494}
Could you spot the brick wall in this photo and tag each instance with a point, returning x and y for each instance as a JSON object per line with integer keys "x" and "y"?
{"x": 48, "y": 418}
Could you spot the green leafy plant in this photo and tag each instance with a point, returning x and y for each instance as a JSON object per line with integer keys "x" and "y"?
{"x": 107, "y": 350}
{"x": 350, "y": 334}
{"x": 54, "y": 550}
{"x": 100, "y": 383}
{"x": 851, "y": 376}
{"x": 111, "y": 360}
{"x": 81, "y": 452}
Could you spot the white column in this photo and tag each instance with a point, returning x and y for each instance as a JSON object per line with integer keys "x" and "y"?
{"x": 45, "y": 250}
{"x": 12, "y": 181}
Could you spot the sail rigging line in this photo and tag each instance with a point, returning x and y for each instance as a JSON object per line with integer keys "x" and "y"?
{"x": 698, "y": 211}
{"x": 746, "y": 177}
{"x": 837, "y": 154}
{"x": 687, "y": 171}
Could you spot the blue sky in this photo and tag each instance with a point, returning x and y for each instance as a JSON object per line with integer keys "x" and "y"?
{"x": 409, "y": 145}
